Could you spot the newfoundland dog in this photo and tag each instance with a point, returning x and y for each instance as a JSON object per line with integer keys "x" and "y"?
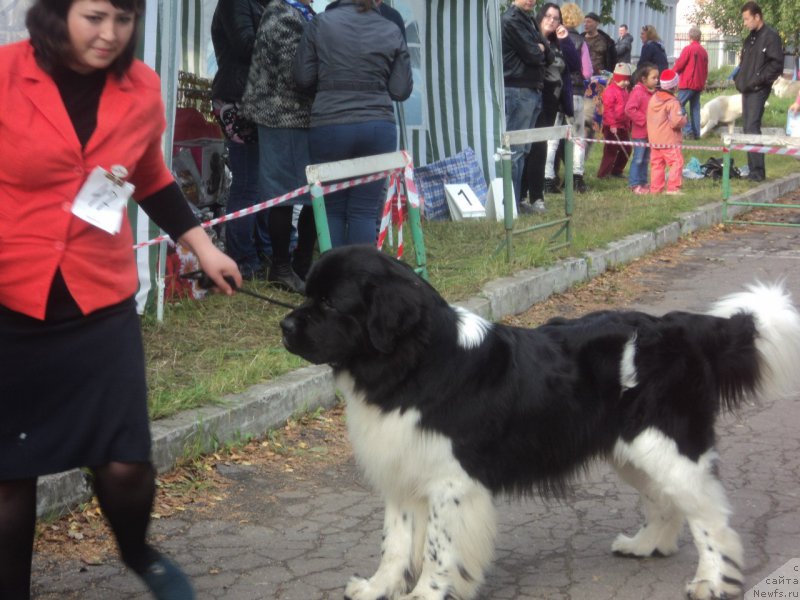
{"x": 446, "y": 410}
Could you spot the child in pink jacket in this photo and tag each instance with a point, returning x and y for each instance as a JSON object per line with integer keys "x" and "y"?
{"x": 665, "y": 118}
{"x": 646, "y": 79}
{"x": 615, "y": 123}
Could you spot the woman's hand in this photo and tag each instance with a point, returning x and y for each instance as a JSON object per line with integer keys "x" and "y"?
{"x": 215, "y": 263}
{"x": 561, "y": 32}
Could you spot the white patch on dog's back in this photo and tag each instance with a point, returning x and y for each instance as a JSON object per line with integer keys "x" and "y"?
{"x": 627, "y": 367}
{"x": 472, "y": 329}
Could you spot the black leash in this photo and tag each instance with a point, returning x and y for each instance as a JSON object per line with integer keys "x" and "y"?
{"x": 205, "y": 282}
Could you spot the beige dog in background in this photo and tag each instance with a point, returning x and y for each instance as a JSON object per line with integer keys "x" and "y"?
{"x": 722, "y": 110}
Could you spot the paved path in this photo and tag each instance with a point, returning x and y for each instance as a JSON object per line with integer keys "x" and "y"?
{"x": 275, "y": 539}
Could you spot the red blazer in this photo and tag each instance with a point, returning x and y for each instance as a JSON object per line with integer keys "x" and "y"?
{"x": 42, "y": 167}
{"x": 692, "y": 66}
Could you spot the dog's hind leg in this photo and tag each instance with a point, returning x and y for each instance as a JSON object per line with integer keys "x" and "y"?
{"x": 459, "y": 541}
{"x": 402, "y": 549}
{"x": 695, "y": 490}
{"x": 663, "y": 521}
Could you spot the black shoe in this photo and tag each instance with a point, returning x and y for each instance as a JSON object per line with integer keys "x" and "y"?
{"x": 284, "y": 277}
{"x": 551, "y": 186}
{"x": 301, "y": 266}
{"x": 618, "y": 175}
{"x": 579, "y": 185}
{"x": 250, "y": 273}
{"x": 755, "y": 177}
{"x": 166, "y": 581}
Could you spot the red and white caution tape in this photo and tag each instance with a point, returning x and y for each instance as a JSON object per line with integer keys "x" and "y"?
{"x": 767, "y": 149}
{"x": 274, "y": 202}
{"x": 649, "y": 145}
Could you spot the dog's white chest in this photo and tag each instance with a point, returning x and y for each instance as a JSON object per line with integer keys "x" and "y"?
{"x": 398, "y": 457}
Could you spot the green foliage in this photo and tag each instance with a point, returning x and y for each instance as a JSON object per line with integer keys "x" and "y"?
{"x": 726, "y": 15}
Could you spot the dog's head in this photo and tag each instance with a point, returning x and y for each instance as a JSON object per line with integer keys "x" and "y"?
{"x": 361, "y": 303}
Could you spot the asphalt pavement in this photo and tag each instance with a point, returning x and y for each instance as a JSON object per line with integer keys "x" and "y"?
{"x": 284, "y": 539}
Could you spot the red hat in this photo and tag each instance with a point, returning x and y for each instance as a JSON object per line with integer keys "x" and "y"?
{"x": 622, "y": 72}
{"x": 669, "y": 79}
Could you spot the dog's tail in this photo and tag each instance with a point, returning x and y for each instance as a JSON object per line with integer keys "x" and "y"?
{"x": 777, "y": 341}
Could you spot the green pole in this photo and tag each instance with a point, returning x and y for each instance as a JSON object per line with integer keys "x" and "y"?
{"x": 569, "y": 146}
{"x": 508, "y": 200}
{"x": 415, "y": 221}
{"x": 726, "y": 181}
{"x": 320, "y": 218}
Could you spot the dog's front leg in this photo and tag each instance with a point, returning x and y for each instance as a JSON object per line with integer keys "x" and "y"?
{"x": 401, "y": 554}
{"x": 459, "y": 541}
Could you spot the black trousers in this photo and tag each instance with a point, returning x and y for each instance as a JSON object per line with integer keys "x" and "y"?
{"x": 752, "y": 112}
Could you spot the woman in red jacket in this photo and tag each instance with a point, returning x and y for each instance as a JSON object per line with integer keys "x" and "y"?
{"x": 616, "y": 125}
{"x": 81, "y": 124}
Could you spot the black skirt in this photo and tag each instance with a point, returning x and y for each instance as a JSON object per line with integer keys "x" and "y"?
{"x": 72, "y": 393}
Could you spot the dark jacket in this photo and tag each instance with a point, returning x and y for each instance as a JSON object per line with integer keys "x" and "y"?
{"x": 654, "y": 52}
{"x": 233, "y": 33}
{"x": 761, "y": 61}
{"x": 623, "y": 48}
{"x": 523, "y": 60}
{"x": 271, "y": 97}
{"x": 610, "y": 58}
{"x": 572, "y": 60}
{"x": 356, "y": 62}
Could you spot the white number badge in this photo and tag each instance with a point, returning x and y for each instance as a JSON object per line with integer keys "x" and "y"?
{"x": 103, "y": 198}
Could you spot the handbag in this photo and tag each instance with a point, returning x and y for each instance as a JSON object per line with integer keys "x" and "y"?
{"x": 235, "y": 127}
{"x": 431, "y": 179}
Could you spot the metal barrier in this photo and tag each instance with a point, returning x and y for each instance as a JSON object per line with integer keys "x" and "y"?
{"x": 764, "y": 144}
{"x": 525, "y": 136}
{"x": 361, "y": 167}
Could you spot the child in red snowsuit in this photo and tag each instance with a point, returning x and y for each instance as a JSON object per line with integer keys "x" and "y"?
{"x": 616, "y": 125}
{"x": 665, "y": 118}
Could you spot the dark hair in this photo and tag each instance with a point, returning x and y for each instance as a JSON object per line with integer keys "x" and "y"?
{"x": 623, "y": 25}
{"x": 753, "y": 8}
{"x": 540, "y": 15}
{"x": 46, "y": 21}
{"x": 364, "y": 5}
{"x": 643, "y": 70}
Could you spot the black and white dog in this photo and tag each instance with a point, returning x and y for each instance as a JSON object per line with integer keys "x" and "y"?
{"x": 446, "y": 410}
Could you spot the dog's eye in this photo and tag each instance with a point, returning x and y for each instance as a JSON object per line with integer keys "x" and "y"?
{"x": 326, "y": 303}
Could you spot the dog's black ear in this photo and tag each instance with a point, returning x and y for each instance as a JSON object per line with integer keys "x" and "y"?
{"x": 395, "y": 309}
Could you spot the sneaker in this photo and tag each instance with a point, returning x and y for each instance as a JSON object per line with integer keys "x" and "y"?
{"x": 674, "y": 193}
{"x": 551, "y": 185}
{"x": 539, "y": 207}
{"x": 166, "y": 580}
{"x": 525, "y": 208}
{"x": 578, "y": 185}
{"x": 284, "y": 277}
{"x": 640, "y": 189}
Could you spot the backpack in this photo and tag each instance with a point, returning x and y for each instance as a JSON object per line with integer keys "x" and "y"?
{"x": 713, "y": 168}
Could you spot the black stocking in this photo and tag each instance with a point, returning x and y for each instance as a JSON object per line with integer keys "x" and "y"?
{"x": 125, "y": 492}
{"x": 17, "y": 523}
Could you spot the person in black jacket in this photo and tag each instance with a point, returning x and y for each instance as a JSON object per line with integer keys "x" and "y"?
{"x": 624, "y": 44}
{"x": 761, "y": 63}
{"x": 652, "y": 49}
{"x": 357, "y": 62}
{"x": 233, "y": 33}
{"x": 525, "y": 56}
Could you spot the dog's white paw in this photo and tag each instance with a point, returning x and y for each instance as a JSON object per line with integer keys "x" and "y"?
{"x": 641, "y": 548}
{"x": 359, "y": 588}
{"x": 708, "y": 590}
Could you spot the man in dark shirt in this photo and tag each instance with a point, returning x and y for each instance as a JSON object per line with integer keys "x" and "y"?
{"x": 760, "y": 65}
{"x": 624, "y": 44}
{"x": 601, "y": 47}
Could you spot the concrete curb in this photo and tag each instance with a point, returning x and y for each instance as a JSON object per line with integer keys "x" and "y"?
{"x": 267, "y": 406}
